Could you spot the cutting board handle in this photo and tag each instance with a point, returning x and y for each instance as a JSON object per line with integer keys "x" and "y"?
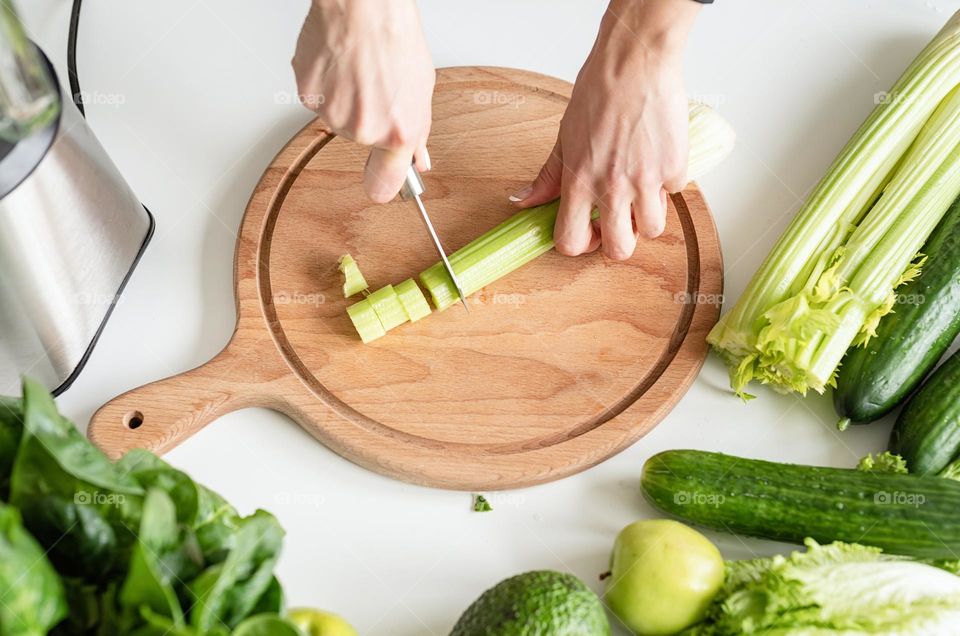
{"x": 160, "y": 415}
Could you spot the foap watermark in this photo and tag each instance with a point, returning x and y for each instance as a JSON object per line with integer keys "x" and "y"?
{"x": 891, "y": 97}
{"x": 914, "y": 300}
{"x": 299, "y": 298}
{"x": 96, "y": 98}
{"x": 899, "y": 498}
{"x": 299, "y": 499}
{"x": 694, "y": 498}
{"x": 486, "y": 298}
{"x": 505, "y": 499}
{"x": 714, "y": 100}
{"x": 496, "y": 98}
{"x": 97, "y": 498}
{"x": 312, "y": 102}
{"x": 698, "y": 298}
{"x": 91, "y": 298}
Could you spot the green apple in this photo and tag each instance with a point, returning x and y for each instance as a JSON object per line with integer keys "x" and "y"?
{"x": 316, "y": 623}
{"x": 663, "y": 576}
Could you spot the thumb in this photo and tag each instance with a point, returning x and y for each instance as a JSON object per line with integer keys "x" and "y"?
{"x": 546, "y": 187}
{"x": 385, "y": 171}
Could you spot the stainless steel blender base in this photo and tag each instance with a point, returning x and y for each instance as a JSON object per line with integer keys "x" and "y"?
{"x": 71, "y": 232}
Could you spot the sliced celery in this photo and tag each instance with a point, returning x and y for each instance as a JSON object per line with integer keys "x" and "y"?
{"x": 366, "y": 321}
{"x": 413, "y": 300}
{"x": 387, "y": 305}
{"x": 353, "y": 280}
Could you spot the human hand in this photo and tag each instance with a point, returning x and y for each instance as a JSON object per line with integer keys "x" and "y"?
{"x": 622, "y": 144}
{"x": 364, "y": 67}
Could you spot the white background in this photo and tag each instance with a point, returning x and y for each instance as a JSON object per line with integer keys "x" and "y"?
{"x": 198, "y": 124}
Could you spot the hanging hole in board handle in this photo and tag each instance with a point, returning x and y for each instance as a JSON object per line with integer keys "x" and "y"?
{"x": 133, "y": 420}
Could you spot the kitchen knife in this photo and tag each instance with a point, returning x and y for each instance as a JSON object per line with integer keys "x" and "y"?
{"x": 412, "y": 189}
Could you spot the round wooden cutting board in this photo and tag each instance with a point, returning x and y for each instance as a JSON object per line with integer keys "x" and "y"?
{"x": 558, "y": 366}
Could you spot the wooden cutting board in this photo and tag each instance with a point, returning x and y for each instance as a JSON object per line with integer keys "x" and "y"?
{"x": 558, "y": 366}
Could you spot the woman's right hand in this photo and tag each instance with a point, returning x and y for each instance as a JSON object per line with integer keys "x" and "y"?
{"x": 363, "y": 66}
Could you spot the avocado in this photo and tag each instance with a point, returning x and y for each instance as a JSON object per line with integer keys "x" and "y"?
{"x": 540, "y": 603}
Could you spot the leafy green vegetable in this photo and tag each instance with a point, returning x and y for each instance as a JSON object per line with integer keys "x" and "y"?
{"x": 266, "y": 625}
{"x": 834, "y": 589}
{"x": 11, "y": 429}
{"x": 32, "y": 599}
{"x": 107, "y": 548}
{"x": 228, "y": 591}
{"x": 480, "y": 504}
{"x": 885, "y": 462}
{"x": 155, "y": 562}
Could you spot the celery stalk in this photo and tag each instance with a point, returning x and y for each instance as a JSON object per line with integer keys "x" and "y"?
{"x": 850, "y": 186}
{"x": 832, "y": 273}
{"x": 528, "y": 234}
{"x": 353, "y": 280}
{"x": 387, "y": 305}
{"x": 414, "y": 302}
{"x": 365, "y": 321}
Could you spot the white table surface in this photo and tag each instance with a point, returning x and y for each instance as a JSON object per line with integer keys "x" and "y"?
{"x": 185, "y": 100}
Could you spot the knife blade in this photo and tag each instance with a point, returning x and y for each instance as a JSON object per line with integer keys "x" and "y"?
{"x": 412, "y": 189}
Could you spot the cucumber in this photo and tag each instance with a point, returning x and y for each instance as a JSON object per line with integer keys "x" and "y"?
{"x": 877, "y": 377}
{"x": 927, "y": 433}
{"x": 903, "y": 514}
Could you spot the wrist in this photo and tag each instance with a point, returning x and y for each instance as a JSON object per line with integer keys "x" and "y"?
{"x": 657, "y": 27}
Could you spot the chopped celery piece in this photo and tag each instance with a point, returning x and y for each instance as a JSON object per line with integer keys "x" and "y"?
{"x": 387, "y": 305}
{"x": 353, "y": 280}
{"x": 528, "y": 234}
{"x": 413, "y": 300}
{"x": 365, "y": 321}
{"x": 832, "y": 273}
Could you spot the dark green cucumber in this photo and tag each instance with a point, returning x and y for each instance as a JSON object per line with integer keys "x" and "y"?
{"x": 877, "y": 377}
{"x": 903, "y": 514}
{"x": 927, "y": 433}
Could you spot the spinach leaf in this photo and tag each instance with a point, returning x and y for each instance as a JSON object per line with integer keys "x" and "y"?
{"x": 271, "y": 601}
{"x": 11, "y": 430}
{"x": 227, "y": 592}
{"x": 32, "y": 598}
{"x": 79, "y": 541}
{"x": 55, "y": 457}
{"x": 157, "y": 625}
{"x": 163, "y": 554}
{"x": 150, "y": 471}
{"x": 266, "y": 625}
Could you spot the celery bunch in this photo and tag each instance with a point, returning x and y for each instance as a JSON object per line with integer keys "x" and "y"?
{"x": 833, "y": 273}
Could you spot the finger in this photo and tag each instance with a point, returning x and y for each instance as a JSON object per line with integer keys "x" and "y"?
{"x": 616, "y": 228}
{"x": 650, "y": 211}
{"x": 384, "y": 174}
{"x": 573, "y": 233}
{"x": 676, "y": 182}
{"x": 422, "y": 159}
{"x": 546, "y": 187}
{"x": 595, "y": 235}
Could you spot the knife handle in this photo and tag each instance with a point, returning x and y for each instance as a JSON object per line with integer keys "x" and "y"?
{"x": 412, "y": 185}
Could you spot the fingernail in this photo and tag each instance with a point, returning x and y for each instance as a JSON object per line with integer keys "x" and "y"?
{"x": 426, "y": 159}
{"x": 523, "y": 194}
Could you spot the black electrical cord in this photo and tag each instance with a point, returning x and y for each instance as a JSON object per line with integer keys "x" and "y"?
{"x": 72, "y": 57}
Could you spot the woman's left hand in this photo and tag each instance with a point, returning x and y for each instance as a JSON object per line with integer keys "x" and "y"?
{"x": 622, "y": 144}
